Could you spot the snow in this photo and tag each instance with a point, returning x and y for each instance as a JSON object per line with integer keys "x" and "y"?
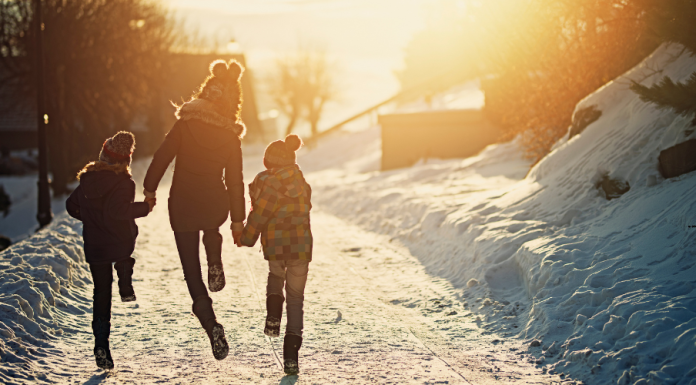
{"x": 607, "y": 286}
{"x": 474, "y": 270}
{"x": 21, "y": 221}
{"x": 372, "y": 315}
{"x": 42, "y": 284}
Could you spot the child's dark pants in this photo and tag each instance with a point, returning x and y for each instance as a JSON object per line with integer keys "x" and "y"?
{"x": 102, "y": 276}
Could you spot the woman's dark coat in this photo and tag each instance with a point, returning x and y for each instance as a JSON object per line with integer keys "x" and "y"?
{"x": 104, "y": 204}
{"x": 200, "y": 197}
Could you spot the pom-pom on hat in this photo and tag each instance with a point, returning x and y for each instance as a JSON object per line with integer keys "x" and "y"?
{"x": 282, "y": 153}
{"x": 118, "y": 149}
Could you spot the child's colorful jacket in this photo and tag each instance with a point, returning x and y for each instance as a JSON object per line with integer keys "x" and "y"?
{"x": 280, "y": 200}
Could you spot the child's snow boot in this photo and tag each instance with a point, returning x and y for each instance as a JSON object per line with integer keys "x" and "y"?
{"x": 212, "y": 240}
{"x": 291, "y": 348}
{"x": 274, "y": 312}
{"x": 102, "y": 354}
{"x": 124, "y": 270}
{"x": 203, "y": 309}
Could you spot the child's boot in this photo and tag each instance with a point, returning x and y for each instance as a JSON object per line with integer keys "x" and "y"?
{"x": 291, "y": 348}
{"x": 274, "y": 312}
{"x": 203, "y": 309}
{"x": 212, "y": 240}
{"x": 124, "y": 270}
{"x": 102, "y": 354}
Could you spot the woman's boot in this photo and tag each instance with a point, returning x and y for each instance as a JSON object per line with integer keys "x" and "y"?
{"x": 274, "y": 312}
{"x": 291, "y": 348}
{"x": 203, "y": 309}
{"x": 212, "y": 240}
{"x": 102, "y": 354}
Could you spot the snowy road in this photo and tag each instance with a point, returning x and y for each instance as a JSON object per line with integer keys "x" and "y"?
{"x": 372, "y": 316}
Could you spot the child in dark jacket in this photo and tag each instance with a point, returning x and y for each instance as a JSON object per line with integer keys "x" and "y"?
{"x": 280, "y": 199}
{"x": 104, "y": 203}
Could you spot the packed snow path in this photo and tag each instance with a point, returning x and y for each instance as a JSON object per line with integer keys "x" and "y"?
{"x": 372, "y": 316}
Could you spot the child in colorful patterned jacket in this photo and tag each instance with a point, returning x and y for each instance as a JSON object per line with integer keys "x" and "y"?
{"x": 280, "y": 199}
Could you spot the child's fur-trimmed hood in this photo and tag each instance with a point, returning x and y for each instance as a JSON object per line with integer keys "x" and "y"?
{"x": 119, "y": 168}
{"x": 206, "y": 112}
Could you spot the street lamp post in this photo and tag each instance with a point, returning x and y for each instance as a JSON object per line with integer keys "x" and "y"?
{"x": 44, "y": 214}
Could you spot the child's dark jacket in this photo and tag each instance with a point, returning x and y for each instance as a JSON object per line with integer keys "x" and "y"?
{"x": 104, "y": 204}
{"x": 281, "y": 201}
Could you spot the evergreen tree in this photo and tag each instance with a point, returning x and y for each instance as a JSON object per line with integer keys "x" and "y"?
{"x": 681, "y": 97}
{"x": 672, "y": 21}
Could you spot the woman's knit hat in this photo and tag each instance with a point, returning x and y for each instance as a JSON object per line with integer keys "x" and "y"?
{"x": 118, "y": 149}
{"x": 223, "y": 87}
{"x": 282, "y": 153}
{"x": 219, "y": 99}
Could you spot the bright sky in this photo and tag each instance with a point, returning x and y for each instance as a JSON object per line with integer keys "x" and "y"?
{"x": 366, "y": 36}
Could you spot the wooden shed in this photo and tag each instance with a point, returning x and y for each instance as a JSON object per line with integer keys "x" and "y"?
{"x": 409, "y": 137}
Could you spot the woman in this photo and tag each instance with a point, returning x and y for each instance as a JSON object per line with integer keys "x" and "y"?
{"x": 206, "y": 140}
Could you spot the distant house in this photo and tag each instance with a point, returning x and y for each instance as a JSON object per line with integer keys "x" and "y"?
{"x": 448, "y": 125}
{"x": 409, "y": 137}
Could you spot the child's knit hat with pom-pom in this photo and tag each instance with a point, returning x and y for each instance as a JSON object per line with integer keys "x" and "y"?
{"x": 282, "y": 153}
{"x": 118, "y": 149}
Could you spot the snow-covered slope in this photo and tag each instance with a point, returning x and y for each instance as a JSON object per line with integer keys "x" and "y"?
{"x": 606, "y": 286}
{"x": 43, "y": 285}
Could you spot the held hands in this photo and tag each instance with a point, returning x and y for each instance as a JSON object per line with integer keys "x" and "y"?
{"x": 150, "y": 198}
{"x": 237, "y": 228}
{"x": 237, "y": 236}
{"x": 152, "y": 202}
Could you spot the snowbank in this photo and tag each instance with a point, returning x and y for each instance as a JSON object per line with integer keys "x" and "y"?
{"x": 42, "y": 280}
{"x": 606, "y": 286}
{"x": 20, "y": 221}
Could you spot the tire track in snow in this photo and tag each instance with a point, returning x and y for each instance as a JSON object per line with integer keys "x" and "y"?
{"x": 258, "y": 297}
{"x": 481, "y": 360}
{"x": 410, "y": 328}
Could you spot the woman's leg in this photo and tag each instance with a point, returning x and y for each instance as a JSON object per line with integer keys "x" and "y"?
{"x": 212, "y": 240}
{"x": 102, "y": 277}
{"x": 188, "y": 244}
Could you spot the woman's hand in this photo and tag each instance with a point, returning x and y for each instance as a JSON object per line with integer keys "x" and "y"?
{"x": 237, "y": 228}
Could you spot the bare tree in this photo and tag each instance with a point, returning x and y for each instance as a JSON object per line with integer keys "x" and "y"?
{"x": 286, "y": 89}
{"x": 302, "y": 85}
{"x": 104, "y": 61}
{"x": 319, "y": 88}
